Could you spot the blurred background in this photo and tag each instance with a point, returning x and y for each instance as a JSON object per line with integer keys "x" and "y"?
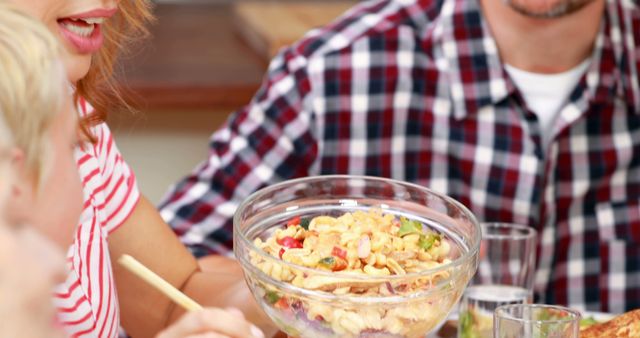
{"x": 204, "y": 59}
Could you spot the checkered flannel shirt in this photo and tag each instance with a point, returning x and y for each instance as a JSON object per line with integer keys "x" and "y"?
{"x": 415, "y": 90}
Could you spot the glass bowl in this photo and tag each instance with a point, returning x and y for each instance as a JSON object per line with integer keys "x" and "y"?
{"x": 310, "y": 302}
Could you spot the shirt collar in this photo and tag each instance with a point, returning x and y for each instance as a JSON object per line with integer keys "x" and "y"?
{"x": 614, "y": 67}
{"x": 468, "y": 55}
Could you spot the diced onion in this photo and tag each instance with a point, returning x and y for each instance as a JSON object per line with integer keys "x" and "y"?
{"x": 364, "y": 247}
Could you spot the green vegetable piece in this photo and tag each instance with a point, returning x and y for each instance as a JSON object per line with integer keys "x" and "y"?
{"x": 586, "y": 322}
{"x": 426, "y": 242}
{"x": 547, "y": 315}
{"x": 304, "y": 223}
{"x": 467, "y": 325}
{"x": 408, "y": 226}
{"x": 327, "y": 262}
{"x": 272, "y": 297}
{"x": 543, "y": 315}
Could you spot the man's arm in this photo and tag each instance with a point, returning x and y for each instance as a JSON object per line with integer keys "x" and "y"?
{"x": 270, "y": 140}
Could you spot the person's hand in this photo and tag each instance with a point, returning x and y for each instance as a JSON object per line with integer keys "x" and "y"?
{"x": 212, "y": 323}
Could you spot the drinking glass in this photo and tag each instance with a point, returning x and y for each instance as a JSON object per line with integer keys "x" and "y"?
{"x": 535, "y": 321}
{"x": 504, "y": 276}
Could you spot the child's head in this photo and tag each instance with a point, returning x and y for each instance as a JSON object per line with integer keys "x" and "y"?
{"x": 29, "y": 101}
{"x": 33, "y": 99}
{"x": 36, "y": 106}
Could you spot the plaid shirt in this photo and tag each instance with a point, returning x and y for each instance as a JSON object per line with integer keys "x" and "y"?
{"x": 415, "y": 90}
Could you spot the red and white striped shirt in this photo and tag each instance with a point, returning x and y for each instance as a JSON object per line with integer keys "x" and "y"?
{"x": 87, "y": 302}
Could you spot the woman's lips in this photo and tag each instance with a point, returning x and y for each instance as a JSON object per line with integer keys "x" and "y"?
{"x": 86, "y": 38}
{"x": 83, "y": 30}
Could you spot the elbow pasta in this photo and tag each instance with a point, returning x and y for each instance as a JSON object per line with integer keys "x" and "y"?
{"x": 359, "y": 243}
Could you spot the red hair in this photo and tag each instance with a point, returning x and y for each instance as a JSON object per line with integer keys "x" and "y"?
{"x": 99, "y": 87}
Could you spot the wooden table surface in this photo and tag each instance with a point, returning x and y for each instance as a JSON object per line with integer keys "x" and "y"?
{"x": 194, "y": 59}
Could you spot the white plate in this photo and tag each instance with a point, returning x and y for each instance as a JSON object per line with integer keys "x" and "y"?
{"x": 599, "y": 316}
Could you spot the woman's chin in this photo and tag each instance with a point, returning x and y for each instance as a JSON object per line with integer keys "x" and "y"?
{"x": 77, "y": 67}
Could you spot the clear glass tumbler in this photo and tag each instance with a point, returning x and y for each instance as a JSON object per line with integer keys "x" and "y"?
{"x": 504, "y": 276}
{"x": 536, "y": 321}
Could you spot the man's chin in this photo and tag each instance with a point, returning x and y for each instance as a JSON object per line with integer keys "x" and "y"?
{"x": 551, "y": 11}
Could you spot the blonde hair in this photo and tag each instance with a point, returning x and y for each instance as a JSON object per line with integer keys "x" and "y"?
{"x": 99, "y": 87}
{"x": 31, "y": 85}
{"x": 5, "y": 173}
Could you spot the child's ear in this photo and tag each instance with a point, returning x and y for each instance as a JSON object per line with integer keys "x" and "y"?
{"x": 21, "y": 187}
{"x": 17, "y": 166}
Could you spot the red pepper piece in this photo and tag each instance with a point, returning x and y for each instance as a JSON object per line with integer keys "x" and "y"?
{"x": 281, "y": 304}
{"x": 281, "y": 252}
{"x": 294, "y": 221}
{"x": 339, "y": 252}
{"x": 289, "y": 242}
{"x": 340, "y": 265}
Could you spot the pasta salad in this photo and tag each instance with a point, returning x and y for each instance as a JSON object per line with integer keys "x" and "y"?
{"x": 361, "y": 243}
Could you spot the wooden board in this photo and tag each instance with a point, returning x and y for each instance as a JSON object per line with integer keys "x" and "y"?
{"x": 268, "y": 26}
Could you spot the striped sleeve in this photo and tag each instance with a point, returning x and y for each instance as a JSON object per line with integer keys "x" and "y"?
{"x": 120, "y": 189}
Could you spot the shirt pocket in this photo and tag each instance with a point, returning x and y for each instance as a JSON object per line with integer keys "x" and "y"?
{"x": 619, "y": 255}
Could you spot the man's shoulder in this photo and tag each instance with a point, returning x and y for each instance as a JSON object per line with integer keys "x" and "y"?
{"x": 373, "y": 20}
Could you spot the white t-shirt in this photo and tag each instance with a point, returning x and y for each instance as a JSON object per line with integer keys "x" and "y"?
{"x": 547, "y": 94}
